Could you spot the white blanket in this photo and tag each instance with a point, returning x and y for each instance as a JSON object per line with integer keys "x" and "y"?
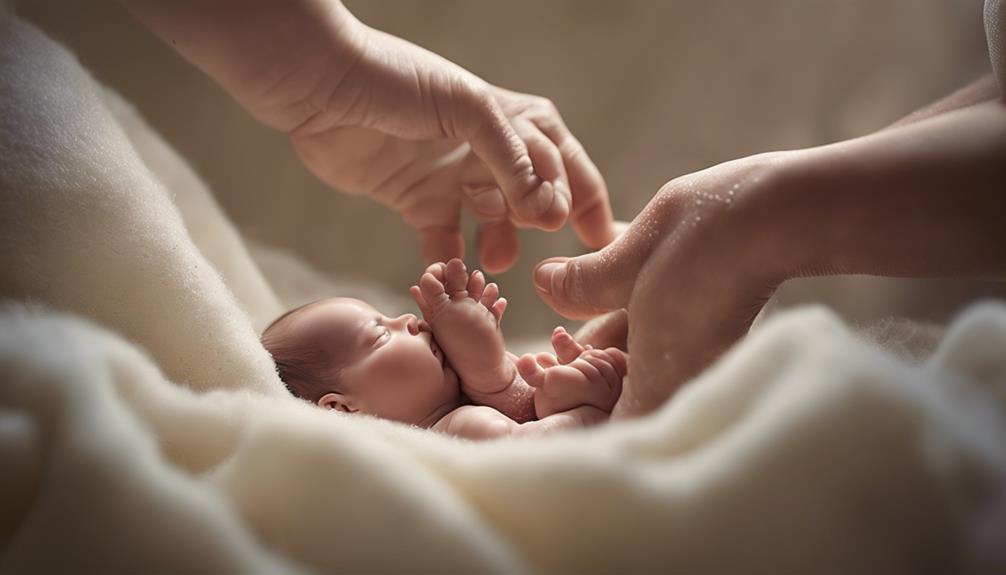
{"x": 155, "y": 436}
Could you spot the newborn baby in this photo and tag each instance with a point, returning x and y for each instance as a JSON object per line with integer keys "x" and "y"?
{"x": 448, "y": 372}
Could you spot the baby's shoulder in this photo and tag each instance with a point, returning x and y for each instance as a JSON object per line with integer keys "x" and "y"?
{"x": 475, "y": 422}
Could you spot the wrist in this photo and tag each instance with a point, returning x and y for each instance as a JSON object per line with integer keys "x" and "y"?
{"x": 770, "y": 223}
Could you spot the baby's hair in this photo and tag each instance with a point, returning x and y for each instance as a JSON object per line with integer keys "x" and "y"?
{"x": 304, "y": 370}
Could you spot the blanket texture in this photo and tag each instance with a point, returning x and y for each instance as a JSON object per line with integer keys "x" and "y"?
{"x": 142, "y": 426}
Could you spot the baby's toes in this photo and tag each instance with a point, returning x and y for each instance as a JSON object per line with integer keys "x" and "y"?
{"x": 437, "y": 269}
{"x": 432, "y": 292}
{"x": 498, "y": 308}
{"x": 476, "y": 285}
{"x": 456, "y": 279}
{"x": 417, "y": 294}
{"x": 490, "y": 295}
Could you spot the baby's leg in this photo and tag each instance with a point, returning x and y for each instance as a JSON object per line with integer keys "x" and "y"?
{"x": 464, "y": 314}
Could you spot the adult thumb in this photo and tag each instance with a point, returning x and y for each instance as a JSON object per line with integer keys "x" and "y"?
{"x": 589, "y": 285}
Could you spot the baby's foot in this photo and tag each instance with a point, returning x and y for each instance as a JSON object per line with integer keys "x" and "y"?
{"x": 464, "y": 314}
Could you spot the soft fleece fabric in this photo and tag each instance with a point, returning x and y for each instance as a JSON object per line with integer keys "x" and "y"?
{"x": 142, "y": 426}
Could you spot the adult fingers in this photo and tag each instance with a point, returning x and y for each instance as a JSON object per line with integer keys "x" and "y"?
{"x": 548, "y": 165}
{"x": 441, "y": 243}
{"x": 591, "y": 216}
{"x": 531, "y": 196}
{"x": 591, "y": 284}
{"x": 498, "y": 246}
{"x": 606, "y": 331}
{"x": 594, "y": 283}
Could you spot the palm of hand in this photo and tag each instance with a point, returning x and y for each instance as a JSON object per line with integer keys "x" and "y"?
{"x": 464, "y": 314}
{"x": 425, "y": 181}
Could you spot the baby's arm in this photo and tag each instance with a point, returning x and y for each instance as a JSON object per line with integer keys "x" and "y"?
{"x": 464, "y": 314}
{"x": 479, "y": 422}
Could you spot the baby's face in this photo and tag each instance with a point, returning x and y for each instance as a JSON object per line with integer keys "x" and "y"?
{"x": 390, "y": 367}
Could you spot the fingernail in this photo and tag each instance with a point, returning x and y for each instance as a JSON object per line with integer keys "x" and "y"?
{"x": 548, "y": 275}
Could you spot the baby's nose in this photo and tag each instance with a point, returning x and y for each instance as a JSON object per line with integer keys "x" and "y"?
{"x": 411, "y": 323}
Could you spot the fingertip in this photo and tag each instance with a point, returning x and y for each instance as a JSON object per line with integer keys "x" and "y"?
{"x": 595, "y": 225}
{"x": 549, "y": 275}
{"x": 585, "y": 286}
{"x": 441, "y": 243}
{"x": 546, "y": 206}
{"x": 498, "y": 246}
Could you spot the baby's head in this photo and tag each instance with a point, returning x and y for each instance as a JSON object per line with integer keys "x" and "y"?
{"x": 343, "y": 354}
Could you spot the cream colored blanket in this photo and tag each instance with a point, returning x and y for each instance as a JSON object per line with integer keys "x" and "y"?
{"x": 154, "y": 436}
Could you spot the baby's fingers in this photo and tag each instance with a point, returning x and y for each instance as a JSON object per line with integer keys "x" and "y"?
{"x": 619, "y": 360}
{"x": 528, "y": 368}
{"x": 546, "y": 359}
{"x": 587, "y": 368}
{"x": 604, "y": 367}
{"x": 566, "y": 348}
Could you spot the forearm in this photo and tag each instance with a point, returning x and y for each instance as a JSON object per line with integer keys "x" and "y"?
{"x": 981, "y": 90}
{"x": 924, "y": 200}
{"x": 252, "y": 47}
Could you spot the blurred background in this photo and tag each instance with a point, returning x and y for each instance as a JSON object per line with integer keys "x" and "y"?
{"x": 652, "y": 88}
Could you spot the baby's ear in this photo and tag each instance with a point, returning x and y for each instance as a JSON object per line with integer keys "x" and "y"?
{"x": 336, "y": 401}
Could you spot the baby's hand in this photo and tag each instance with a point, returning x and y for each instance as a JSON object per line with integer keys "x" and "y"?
{"x": 575, "y": 376}
{"x": 464, "y": 314}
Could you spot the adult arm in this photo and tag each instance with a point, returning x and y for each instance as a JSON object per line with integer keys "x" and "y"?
{"x": 925, "y": 199}
{"x": 372, "y": 114}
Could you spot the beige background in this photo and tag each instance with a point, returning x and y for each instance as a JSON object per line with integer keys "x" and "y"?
{"x": 653, "y": 89}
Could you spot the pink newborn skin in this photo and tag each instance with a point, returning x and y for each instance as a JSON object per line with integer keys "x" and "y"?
{"x": 448, "y": 372}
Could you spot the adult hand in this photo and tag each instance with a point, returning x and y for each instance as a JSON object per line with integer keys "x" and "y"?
{"x": 374, "y": 115}
{"x": 917, "y": 200}
{"x": 688, "y": 269}
{"x": 429, "y": 181}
